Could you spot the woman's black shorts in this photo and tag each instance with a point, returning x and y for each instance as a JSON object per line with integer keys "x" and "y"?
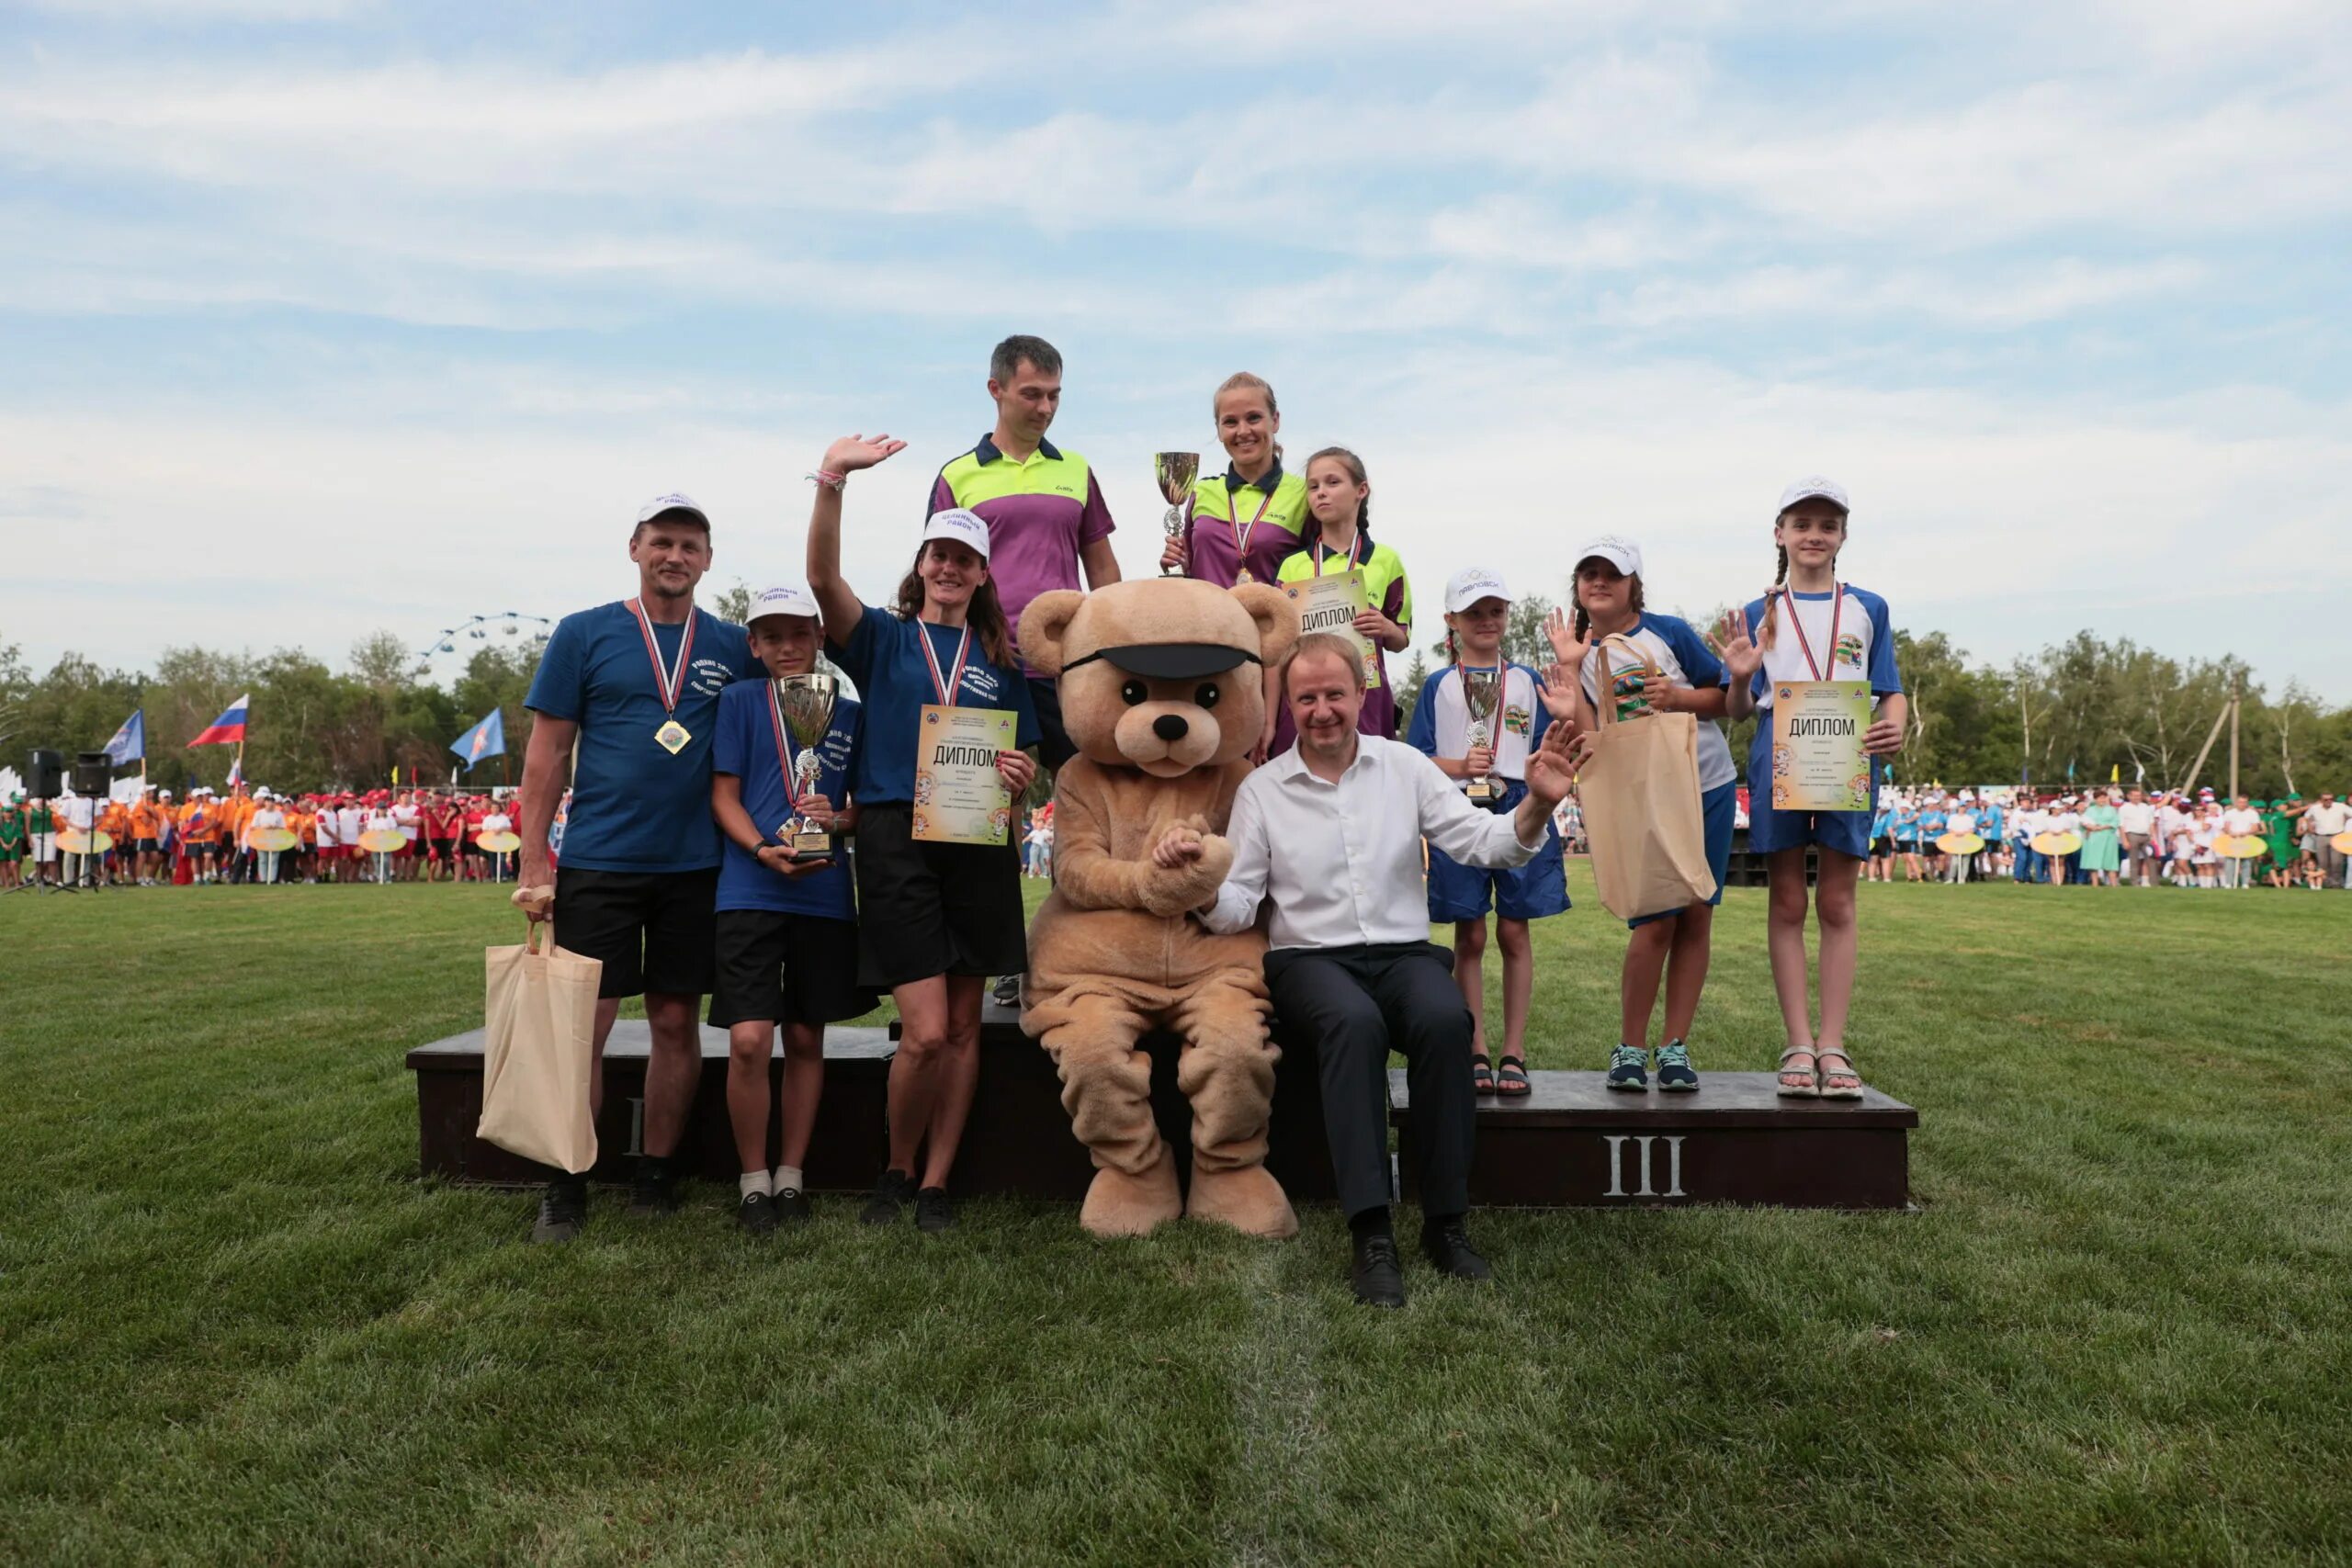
{"x": 926, "y": 910}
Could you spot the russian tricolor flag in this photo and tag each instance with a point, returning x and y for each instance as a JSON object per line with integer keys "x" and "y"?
{"x": 227, "y": 729}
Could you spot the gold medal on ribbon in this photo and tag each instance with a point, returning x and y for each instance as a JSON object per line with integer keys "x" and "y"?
{"x": 1243, "y": 576}
{"x": 672, "y": 737}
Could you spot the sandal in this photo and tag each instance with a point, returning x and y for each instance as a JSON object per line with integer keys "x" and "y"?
{"x": 1837, "y": 1083}
{"x": 1510, "y": 1078}
{"x": 1800, "y": 1083}
{"x": 1482, "y": 1074}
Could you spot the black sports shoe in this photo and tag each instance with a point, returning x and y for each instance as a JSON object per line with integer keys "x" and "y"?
{"x": 1446, "y": 1245}
{"x": 755, "y": 1215}
{"x": 1006, "y": 992}
{"x": 649, "y": 1191}
{"x": 563, "y": 1209}
{"x": 1378, "y": 1277}
{"x": 892, "y": 1193}
{"x": 792, "y": 1207}
{"x": 933, "y": 1212}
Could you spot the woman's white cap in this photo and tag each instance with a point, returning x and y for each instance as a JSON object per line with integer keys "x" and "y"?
{"x": 965, "y": 528}
{"x": 1815, "y": 487}
{"x": 1465, "y": 588}
{"x": 1617, "y": 550}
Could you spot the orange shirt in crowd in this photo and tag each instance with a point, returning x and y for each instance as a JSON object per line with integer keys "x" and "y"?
{"x": 199, "y": 824}
{"x": 146, "y": 819}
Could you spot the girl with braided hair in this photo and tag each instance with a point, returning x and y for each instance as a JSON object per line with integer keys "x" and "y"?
{"x": 1810, "y": 626}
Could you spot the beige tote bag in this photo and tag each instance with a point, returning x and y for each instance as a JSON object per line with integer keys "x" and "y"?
{"x": 538, "y": 1039}
{"x": 1640, "y": 793}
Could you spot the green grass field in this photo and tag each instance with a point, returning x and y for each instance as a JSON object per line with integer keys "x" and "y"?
{"x": 234, "y": 1327}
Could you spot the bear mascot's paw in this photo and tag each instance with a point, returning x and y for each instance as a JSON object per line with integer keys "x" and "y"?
{"x": 1162, "y": 686}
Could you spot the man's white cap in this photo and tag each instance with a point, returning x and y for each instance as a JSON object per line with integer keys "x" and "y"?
{"x": 1617, "y": 550}
{"x": 1465, "y": 588}
{"x": 782, "y": 600}
{"x": 1814, "y": 485}
{"x": 965, "y": 528}
{"x": 673, "y": 501}
{"x": 165, "y": 793}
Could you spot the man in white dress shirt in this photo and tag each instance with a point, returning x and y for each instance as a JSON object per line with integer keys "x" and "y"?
{"x": 1331, "y": 833}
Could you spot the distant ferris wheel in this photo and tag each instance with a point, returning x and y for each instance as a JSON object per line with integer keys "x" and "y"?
{"x": 460, "y": 641}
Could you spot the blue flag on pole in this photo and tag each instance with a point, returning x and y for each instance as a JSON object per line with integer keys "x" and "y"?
{"x": 130, "y": 742}
{"x": 487, "y": 738}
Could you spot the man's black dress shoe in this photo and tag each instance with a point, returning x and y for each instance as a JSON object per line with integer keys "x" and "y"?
{"x": 1379, "y": 1278}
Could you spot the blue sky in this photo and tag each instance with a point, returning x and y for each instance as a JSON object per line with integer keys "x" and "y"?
{"x": 326, "y": 317}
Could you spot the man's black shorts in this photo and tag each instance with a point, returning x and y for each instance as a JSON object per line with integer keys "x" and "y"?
{"x": 652, "y": 931}
{"x": 787, "y": 969}
{"x": 1053, "y": 745}
{"x": 443, "y": 850}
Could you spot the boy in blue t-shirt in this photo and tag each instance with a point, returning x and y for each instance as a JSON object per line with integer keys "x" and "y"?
{"x": 786, "y": 946}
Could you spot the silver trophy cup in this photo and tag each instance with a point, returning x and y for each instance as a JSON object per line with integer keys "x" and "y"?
{"x": 806, "y": 704}
{"x": 1481, "y": 693}
{"x": 1175, "y": 471}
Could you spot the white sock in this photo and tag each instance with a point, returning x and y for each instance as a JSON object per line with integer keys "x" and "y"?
{"x": 787, "y": 1178}
{"x": 752, "y": 1182}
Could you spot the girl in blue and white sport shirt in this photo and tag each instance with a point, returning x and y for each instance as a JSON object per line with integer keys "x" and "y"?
{"x": 1810, "y": 626}
{"x": 1673, "y": 944}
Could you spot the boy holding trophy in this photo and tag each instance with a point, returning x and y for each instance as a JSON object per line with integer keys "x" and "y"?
{"x": 786, "y": 940}
{"x": 1478, "y": 719}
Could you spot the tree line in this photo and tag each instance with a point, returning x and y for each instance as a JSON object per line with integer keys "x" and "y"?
{"x": 2085, "y": 709}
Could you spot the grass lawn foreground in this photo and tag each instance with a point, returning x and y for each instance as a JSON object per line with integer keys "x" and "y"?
{"x": 235, "y": 1327}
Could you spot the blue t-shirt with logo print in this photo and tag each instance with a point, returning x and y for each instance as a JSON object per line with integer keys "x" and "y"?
{"x": 746, "y": 749}
{"x": 636, "y": 807}
{"x": 883, "y": 656}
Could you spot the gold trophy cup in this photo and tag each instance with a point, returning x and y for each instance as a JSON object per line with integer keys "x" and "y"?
{"x": 1175, "y": 471}
{"x": 1481, "y": 693}
{"x": 806, "y": 704}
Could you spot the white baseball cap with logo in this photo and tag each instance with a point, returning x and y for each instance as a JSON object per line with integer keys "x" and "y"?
{"x": 1465, "y": 588}
{"x": 1814, "y": 487}
{"x": 673, "y": 501}
{"x": 782, "y": 600}
{"x": 963, "y": 528}
{"x": 1617, "y": 550}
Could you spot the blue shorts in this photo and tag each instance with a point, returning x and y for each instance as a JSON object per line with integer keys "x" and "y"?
{"x": 1847, "y": 832}
{"x": 1715, "y": 810}
{"x": 1529, "y": 892}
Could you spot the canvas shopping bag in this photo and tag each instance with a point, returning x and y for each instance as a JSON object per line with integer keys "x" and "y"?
{"x": 538, "y": 1036}
{"x": 1640, "y": 793}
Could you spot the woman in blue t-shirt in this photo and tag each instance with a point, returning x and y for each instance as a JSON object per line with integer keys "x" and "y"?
{"x": 935, "y": 918}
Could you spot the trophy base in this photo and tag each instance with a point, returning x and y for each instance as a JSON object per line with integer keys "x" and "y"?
{"x": 1482, "y": 791}
{"x": 810, "y": 844}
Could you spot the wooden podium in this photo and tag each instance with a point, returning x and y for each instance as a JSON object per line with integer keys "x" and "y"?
{"x": 1573, "y": 1143}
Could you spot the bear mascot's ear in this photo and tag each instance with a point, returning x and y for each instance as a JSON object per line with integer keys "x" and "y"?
{"x": 1274, "y": 610}
{"x": 1044, "y": 623}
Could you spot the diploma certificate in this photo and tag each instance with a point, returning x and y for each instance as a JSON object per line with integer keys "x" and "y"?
{"x": 960, "y": 798}
{"x": 1818, "y": 763}
{"x": 1332, "y": 605}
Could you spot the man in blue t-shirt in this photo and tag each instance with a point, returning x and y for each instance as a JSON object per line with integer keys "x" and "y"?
{"x": 787, "y": 928}
{"x": 634, "y": 686}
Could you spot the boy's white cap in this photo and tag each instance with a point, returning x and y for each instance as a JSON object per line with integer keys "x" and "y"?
{"x": 1465, "y": 588}
{"x": 673, "y": 501}
{"x": 964, "y": 527}
{"x": 1617, "y": 550}
{"x": 1814, "y": 485}
{"x": 782, "y": 600}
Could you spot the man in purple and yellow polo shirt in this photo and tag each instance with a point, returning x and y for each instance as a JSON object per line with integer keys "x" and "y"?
{"x": 1044, "y": 511}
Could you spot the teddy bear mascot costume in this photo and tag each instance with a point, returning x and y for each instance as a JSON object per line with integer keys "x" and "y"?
{"x": 1163, "y": 691}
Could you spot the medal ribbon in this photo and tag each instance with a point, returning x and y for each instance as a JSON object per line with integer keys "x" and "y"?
{"x": 1837, "y": 609}
{"x": 669, "y": 683}
{"x": 1240, "y": 534}
{"x": 1321, "y": 551}
{"x": 948, "y": 687}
